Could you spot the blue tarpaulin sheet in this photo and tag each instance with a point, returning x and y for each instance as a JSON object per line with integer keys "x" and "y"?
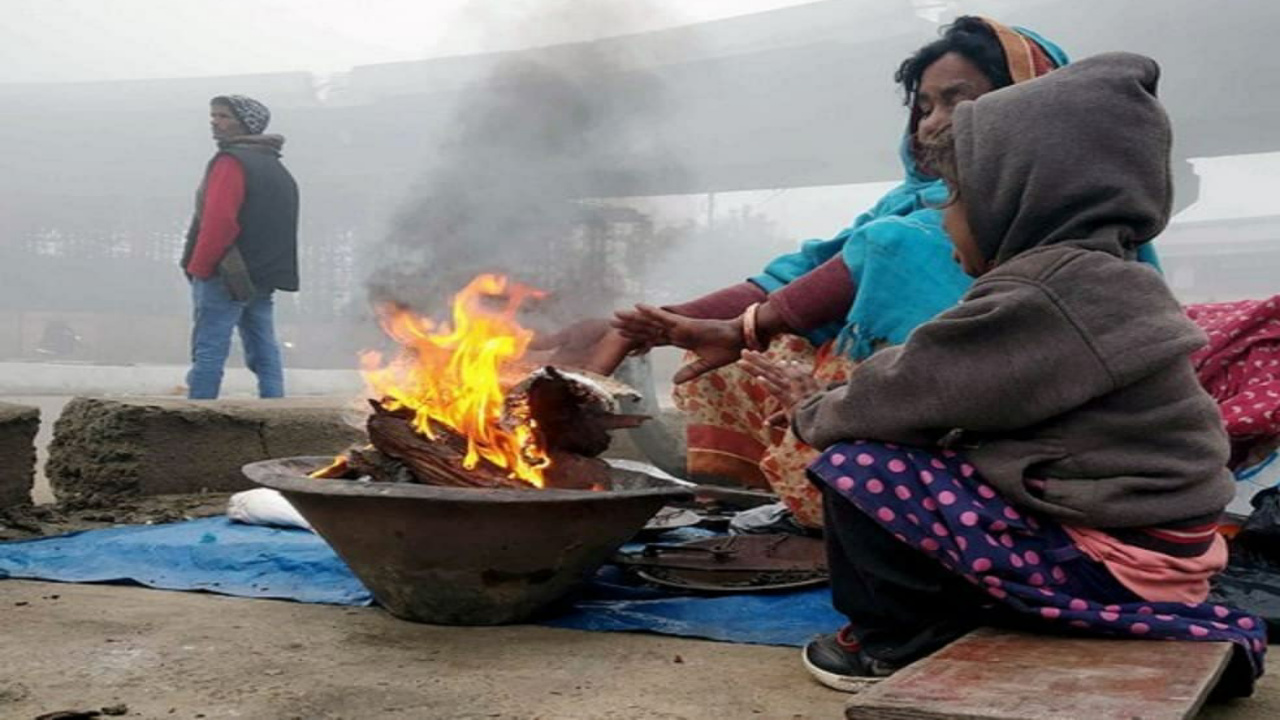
{"x": 212, "y": 554}
{"x": 216, "y": 555}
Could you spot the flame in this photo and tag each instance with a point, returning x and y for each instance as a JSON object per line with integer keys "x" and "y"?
{"x": 450, "y": 374}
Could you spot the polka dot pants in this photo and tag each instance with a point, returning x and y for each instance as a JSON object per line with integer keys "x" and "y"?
{"x": 937, "y": 504}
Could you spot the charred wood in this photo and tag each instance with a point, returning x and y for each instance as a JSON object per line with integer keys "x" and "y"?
{"x": 431, "y": 461}
{"x": 572, "y": 414}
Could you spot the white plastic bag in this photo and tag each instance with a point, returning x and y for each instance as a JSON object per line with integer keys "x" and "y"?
{"x": 264, "y": 506}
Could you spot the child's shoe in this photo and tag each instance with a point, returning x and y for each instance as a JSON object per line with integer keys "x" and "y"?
{"x": 840, "y": 663}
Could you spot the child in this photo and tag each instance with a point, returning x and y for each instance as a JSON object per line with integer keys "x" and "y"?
{"x": 1041, "y": 454}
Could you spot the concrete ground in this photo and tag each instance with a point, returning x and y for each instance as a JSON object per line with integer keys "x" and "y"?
{"x": 186, "y": 655}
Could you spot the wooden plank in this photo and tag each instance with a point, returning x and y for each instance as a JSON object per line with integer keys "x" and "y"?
{"x": 1003, "y": 675}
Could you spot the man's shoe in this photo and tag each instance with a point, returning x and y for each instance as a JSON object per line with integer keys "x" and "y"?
{"x": 838, "y": 662}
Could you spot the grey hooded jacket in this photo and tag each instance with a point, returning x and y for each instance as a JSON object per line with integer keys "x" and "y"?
{"x": 1066, "y": 363}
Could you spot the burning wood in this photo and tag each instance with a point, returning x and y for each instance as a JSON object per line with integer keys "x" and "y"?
{"x": 432, "y": 461}
{"x": 572, "y": 411}
{"x": 449, "y": 414}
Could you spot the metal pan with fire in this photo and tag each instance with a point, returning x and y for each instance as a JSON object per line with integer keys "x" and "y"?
{"x": 480, "y": 499}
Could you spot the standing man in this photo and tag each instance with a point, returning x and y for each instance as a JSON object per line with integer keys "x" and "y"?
{"x": 242, "y": 247}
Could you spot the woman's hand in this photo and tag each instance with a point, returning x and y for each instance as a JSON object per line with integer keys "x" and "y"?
{"x": 641, "y": 329}
{"x": 588, "y": 344}
{"x": 716, "y": 342}
{"x": 789, "y": 383}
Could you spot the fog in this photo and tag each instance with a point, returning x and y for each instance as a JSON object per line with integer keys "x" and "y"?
{"x": 607, "y": 151}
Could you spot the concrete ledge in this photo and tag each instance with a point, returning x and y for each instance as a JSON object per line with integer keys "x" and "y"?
{"x": 50, "y": 378}
{"x": 18, "y": 427}
{"x": 107, "y": 448}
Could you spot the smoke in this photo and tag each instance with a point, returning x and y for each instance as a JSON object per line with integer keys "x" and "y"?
{"x": 538, "y": 23}
{"x": 508, "y": 188}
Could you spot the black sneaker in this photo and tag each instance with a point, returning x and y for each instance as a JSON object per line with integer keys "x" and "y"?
{"x": 838, "y": 662}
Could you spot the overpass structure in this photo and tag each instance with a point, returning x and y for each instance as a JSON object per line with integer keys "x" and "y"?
{"x": 99, "y": 177}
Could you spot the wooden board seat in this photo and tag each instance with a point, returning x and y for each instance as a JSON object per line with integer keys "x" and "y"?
{"x": 1003, "y": 675}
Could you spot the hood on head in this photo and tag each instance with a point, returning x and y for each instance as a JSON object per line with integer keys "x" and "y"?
{"x": 1080, "y": 155}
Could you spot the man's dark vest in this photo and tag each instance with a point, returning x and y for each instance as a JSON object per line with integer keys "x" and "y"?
{"x": 268, "y": 219}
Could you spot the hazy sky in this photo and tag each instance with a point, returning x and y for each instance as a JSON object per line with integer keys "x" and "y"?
{"x": 72, "y": 40}
{"x": 89, "y": 40}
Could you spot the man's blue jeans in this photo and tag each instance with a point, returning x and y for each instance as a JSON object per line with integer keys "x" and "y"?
{"x": 216, "y": 316}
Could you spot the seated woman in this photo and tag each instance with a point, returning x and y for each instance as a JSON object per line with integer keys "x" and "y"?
{"x": 1000, "y": 466}
{"x": 834, "y": 301}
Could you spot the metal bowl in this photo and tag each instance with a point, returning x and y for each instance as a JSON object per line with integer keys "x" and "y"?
{"x": 462, "y": 556}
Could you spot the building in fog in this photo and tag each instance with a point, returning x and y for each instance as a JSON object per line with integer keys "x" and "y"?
{"x": 98, "y": 178}
{"x": 1219, "y": 260}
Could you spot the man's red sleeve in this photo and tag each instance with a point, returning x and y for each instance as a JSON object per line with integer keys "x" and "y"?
{"x": 219, "y": 223}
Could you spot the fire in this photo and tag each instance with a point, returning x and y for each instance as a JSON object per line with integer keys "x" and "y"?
{"x": 450, "y": 374}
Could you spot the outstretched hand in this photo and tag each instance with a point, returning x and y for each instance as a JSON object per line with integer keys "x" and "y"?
{"x": 588, "y": 344}
{"x": 789, "y": 383}
{"x": 639, "y": 327}
{"x": 716, "y": 342}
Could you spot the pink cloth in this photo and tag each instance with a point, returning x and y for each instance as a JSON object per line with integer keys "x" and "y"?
{"x": 1151, "y": 575}
{"x": 1241, "y": 365}
{"x": 821, "y": 296}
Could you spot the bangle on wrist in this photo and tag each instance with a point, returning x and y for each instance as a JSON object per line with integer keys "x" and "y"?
{"x": 750, "y": 336}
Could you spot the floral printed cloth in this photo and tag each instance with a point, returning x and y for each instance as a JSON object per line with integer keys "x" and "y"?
{"x": 729, "y": 438}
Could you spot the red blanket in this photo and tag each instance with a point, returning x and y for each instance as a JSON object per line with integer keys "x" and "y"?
{"x": 1241, "y": 365}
